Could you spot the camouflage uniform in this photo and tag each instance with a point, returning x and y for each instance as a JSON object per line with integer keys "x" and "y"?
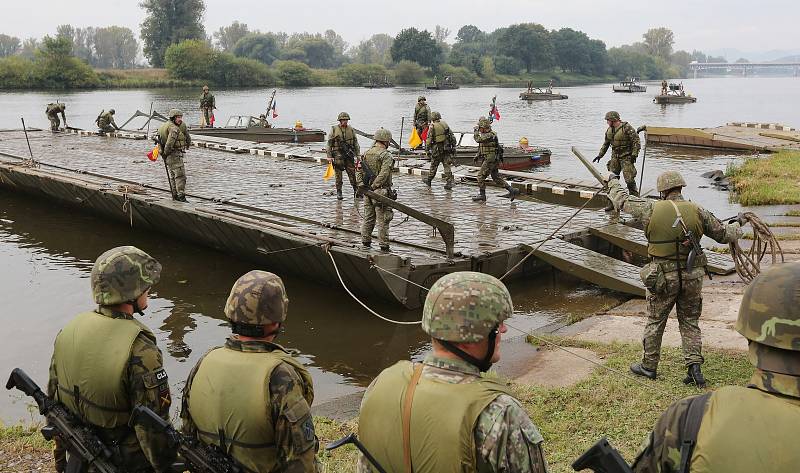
{"x": 625, "y": 145}
{"x": 105, "y": 122}
{"x": 679, "y": 288}
{"x": 440, "y": 144}
{"x": 119, "y": 275}
{"x": 753, "y": 428}
{"x": 175, "y": 139}
{"x": 207, "y": 106}
{"x": 461, "y": 307}
{"x": 52, "y": 111}
{"x": 379, "y": 160}
{"x": 422, "y": 114}
{"x": 281, "y": 435}
{"x": 487, "y": 150}
{"x": 339, "y": 138}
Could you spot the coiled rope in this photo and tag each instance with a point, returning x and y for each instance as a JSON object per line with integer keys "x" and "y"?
{"x": 748, "y": 263}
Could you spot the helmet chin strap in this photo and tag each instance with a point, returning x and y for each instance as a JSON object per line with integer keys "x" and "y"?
{"x": 482, "y": 365}
{"x": 136, "y": 307}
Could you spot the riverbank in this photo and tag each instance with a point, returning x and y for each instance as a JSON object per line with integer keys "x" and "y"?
{"x": 767, "y": 180}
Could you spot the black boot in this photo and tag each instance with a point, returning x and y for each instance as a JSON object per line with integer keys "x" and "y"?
{"x": 695, "y": 376}
{"x": 512, "y": 192}
{"x": 385, "y": 248}
{"x": 339, "y": 193}
{"x": 179, "y": 198}
{"x": 481, "y": 197}
{"x": 632, "y": 189}
{"x": 640, "y": 370}
{"x": 449, "y": 185}
{"x": 366, "y": 244}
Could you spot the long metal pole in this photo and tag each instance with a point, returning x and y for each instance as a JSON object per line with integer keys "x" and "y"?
{"x": 148, "y": 120}
{"x": 644, "y": 156}
{"x": 402, "y": 125}
{"x": 25, "y": 129}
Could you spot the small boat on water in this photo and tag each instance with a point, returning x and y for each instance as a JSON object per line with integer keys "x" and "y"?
{"x": 536, "y": 93}
{"x": 258, "y": 129}
{"x": 630, "y": 85}
{"x": 674, "y": 94}
{"x": 446, "y": 84}
{"x": 378, "y": 84}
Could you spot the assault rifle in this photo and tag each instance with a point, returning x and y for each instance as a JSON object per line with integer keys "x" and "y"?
{"x": 84, "y": 446}
{"x": 353, "y": 438}
{"x": 696, "y": 250}
{"x": 347, "y": 151}
{"x": 602, "y": 458}
{"x": 201, "y": 458}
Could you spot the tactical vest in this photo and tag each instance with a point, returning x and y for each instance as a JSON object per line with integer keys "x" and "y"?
{"x": 745, "y": 431}
{"x": 53, "y": 109}
{"x": 229, "y": 403}
{"x": 91, "y": 356}
{"x": 440, "y": 132}
{"x": 104, "y": 120}
{"x": 621, "y": 145}
{"x": 443, "y": 419}
{"x": 374, "y": 157}
{"x": 206, "y": 101}
{"x": 661, "y": 235}
{"x": 488, "y": 149}
{"x": 345, "y": 134}
{"x": 421, "y": 113}
{"x": 163, "y": 134}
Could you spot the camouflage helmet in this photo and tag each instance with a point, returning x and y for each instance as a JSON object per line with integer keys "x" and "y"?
{"x": 770, "y": 310}
{"x": 205, "y": 88}
{"x": 484, "y": 122}
{"x": 383, "y": 135}
{"x": 344, "y": 116}
{"x": 612, "y": 115}
{"x": 111, "y": 111}
{"x": 421, "y": 98}
{"x": 175, "y": 113}
{"x": 669, "y": 180}
{"x": 464, "y": 307}
{"x": 257, "y": 298}
{"x": 122, "y": 274}
{"x": 436, "y": 116}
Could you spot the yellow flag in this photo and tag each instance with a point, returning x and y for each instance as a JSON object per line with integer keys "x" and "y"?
{"x": 415, "y": 140}
{"x": 328, "y": 171}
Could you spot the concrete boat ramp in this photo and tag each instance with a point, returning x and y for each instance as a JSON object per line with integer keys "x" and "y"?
{"x": 279, "y": 213}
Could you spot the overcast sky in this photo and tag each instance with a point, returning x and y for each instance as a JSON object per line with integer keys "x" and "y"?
{"x": 747, "y": 25}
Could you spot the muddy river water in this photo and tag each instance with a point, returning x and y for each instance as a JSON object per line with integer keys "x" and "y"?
{"x": 46, "y": 252}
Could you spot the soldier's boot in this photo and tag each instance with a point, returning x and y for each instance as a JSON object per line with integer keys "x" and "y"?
{"x": 385, "y": 248}
{"x": 339, "y": 193}
{"x": 180, "y": 198}
{"x": 449, "y": 182}
{"x": 512, "y": 192}
{"x": 640, "y": 370}
{"x": 366, "y": 244}
{"x": 695, "y": 376}
{"x": 427, "y": 180}
{"x": 481, "y": 197}
{"x": 609, "y": 207}
{"x": 632, "y": 189}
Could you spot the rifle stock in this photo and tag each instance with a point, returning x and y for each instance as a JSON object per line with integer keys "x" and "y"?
{"x": 602, "y": 458}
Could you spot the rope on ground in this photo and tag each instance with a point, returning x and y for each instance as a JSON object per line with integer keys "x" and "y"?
{"x": 272, "y": 252}
{"x": 748, "y": 263}
{"x": 341, "y": 280}
{"x": 550, "y": 237}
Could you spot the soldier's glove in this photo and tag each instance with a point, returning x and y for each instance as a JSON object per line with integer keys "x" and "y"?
{"x": 740, "y": 218}
{"x": 597, "y": 159}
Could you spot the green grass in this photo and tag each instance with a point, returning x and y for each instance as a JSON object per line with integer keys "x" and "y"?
{"x": 792, "y": 213}
{"x": 608, "y": 404}
{"x": 18, "y": 437}
{"x": 767, "y": 180}
{"x": 779, "y": 236}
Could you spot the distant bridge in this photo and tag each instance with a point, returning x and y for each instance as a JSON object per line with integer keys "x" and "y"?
{"x": 744, "y": 66}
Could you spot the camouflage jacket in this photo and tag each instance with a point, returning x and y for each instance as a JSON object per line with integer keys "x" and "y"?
{"x": 105, "y": 119}
{"x": 335, "y": 139}
{"x": 422, "y": 115}
{"x": 434, "y": 143}
{"x": 379, "y": 160}
{"x": 208, "y": 101}
{"x": 624, "y": 141}
{"x": 53, "y": 109}
{"x": 487, "y": 144}
{"x": 146, "y": 385}
{"x": 506, "y": 439}
{"x": 295, "y": 453}
{"x": 641, "y": 209}
{"x": 177, "y": 140}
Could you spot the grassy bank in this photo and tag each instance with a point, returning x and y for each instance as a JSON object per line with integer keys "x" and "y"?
{"x": 774, "y": 179}
{"x": 141, "y": 79}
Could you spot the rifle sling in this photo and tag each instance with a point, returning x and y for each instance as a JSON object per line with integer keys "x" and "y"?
{"x": 407, "y": 401}
{"x": 690, "y": 429}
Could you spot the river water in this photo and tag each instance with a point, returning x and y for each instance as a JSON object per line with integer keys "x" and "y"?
{"x": 46, "y": 252}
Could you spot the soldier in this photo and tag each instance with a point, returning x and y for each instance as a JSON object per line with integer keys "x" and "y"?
{"x": 105, "y": 363}
{"x": 52, "y": 111}
{"x": 443, "y": 414}
{"x": 668, "y": 279}
{"x": 488, "y": 147}
{"x": 743, "y": 429}
{"x": 375, "y": 173}
{"x": 441, "y": 146}
{"x": 207, "y": 106}
{"x": 625, "y": 145}
{"x": 250, "y": 397}
{"x": 342, "y": 151}
{"x": 105, "y": 122}
{"x": 174, "y": 140}
{"x": 663, "y": 87}
{"x": 422, "y": 113}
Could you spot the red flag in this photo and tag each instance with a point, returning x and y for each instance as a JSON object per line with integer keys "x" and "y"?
{"x": 424, "y": 135}
{"x": 274, "y": 109}
{"x": 212, "y": 119}
{"x": 496, "y": 113}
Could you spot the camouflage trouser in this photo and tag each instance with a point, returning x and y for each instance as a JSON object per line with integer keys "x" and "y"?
{"x": 107, "y": 129}
{"x": 342, "y": 165}
{"x": 55, "y": 123}
{"x": 490, "y": 167}
{"x": 688, "y": 299}
{"x": 177, "y": 173}
{"x": 446, "y": 160}
{"x": 625, "y": 165}
{"x": 205, "y": 116}
{"x": 375, "y": 212}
